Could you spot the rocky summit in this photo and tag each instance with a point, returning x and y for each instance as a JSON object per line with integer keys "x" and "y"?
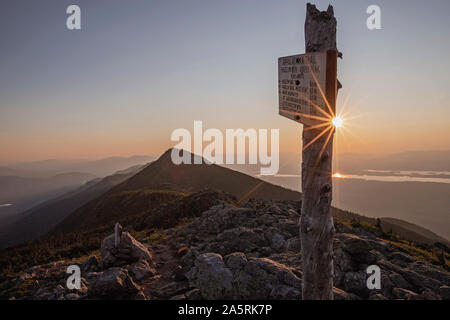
{"x": 251, "y": 251}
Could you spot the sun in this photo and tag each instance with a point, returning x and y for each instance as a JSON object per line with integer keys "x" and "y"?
{"x": 338, "y": 175}
{"x": 337, "y": 122}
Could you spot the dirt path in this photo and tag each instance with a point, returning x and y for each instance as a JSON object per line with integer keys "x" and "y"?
{"x": 164, "y": 285}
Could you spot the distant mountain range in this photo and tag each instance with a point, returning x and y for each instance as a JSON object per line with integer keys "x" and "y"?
{"x": 99, "y": 168}
{"x": 41, "y": 218}
{"x": 24, "y": 192}
{"x": 164, "y": 177}
{"x": 139, "y": 188}
{"x": 133, "y": 195}
{"x": 159, "y": 195}
{"x": 28, "y": 184}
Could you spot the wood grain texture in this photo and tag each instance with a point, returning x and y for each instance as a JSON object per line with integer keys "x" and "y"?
{"x": 316, "y": 224}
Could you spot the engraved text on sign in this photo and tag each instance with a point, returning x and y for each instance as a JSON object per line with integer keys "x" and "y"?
{"x": 299, "y": 78}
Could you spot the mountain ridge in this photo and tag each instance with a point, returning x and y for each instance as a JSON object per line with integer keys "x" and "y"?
{"x": 40, "y": 219}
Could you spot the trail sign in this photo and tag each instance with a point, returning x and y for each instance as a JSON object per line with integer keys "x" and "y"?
{"x": 308, "y": 86}
{"x": 302, "y": 86}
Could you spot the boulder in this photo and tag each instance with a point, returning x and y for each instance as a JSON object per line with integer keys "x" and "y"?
{"x": 444, "y": 292}
{"x": 343, "y": 263}
{"x": 354, "y": 244}
{"x": 400, "y": 259}
{"x": 339, "y": 294}
{"x": 377, "y": 296}
{"x": 193, "y": 294}
{"x": 276, "y": 239}
{"x": 72, "y": 296}
{"x": 173, "y": 288}
{"x": 430, "y": 295}
{"x": 211, "y": 276}
{"x": 290, "y": 227}
{"x": 355, "y": 282}
{"x": 237, "y": 277}
{"x": 113, "y": 283}
{"x": 128, "y": 250}
{"x": 90, "y": 265}
{"x": 405, "y": 294}
{"x": 141, "y": 270}
{"x": 221, "y": 217}
{"x": 398, "y": 281}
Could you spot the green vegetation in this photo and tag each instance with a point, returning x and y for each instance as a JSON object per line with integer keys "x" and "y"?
{"x": 431, "y": 255}
{"x": 422, "y": 251}
{"x": 148, "y": 225}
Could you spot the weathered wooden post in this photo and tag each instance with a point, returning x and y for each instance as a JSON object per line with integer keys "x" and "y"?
{"x": 316, "y": 225}
{"x": 308, "y": 90}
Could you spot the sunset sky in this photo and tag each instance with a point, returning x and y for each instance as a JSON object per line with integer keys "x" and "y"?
{"x": 140, "y": 69}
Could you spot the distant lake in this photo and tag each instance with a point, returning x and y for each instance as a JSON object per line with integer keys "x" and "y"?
{"x": 415, "y": 172}
{"x": 420, "y": 197}
{"x": 394, "y": 178}
{"x": 378, "y": 175}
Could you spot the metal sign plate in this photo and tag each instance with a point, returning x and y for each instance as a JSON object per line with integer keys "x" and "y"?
{"x": 302, "y": 87}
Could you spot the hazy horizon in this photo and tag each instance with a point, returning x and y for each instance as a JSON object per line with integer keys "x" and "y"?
{"x": 113, "y": 87}
{"x": 296, "y": 152}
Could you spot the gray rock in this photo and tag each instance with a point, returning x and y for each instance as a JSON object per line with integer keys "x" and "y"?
{"x": 90, "y": 265}
{"x": 140, "y": 296}
{"x": 383, "y": 247}
{"x": 193, "y": 294}
{"x": 377, "y": 296}
{"x": 405, "y": 294}
{"x": 398, "y": 281}
{"x": 289, "y": 227}
{"x": 277, "y": 242}
{"x": 266, "y": 219}
{"x": 444, "y": 292}
{"x": 340, "y": 294}
{"x": 430, "y": 295}
{"x": 112, "y": 255}
{"x": 276, "y": 239}
{"x": 265, "y": 251}
{"x": 236, "y": 261}
{"x": 141, "y": 270}
{"x": 72, "y": 296}
{"x": 353, "y": 244}
{"x": 113, "y": 283}
{"x": 418, "y": 281}
{"x": 221, "y": 217}
{"x": 283, "y": 292}
{"x": 355, "y": 282}
{"x": 243, "y": 234}
{"x": 429, "y": 271}
{"x": 401, "y": 259}
{"x": 173, "y": 288}
{"x": 211, "y": 276}
{"x": 343, "y": 263}
{"x": 239, "y": 277}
